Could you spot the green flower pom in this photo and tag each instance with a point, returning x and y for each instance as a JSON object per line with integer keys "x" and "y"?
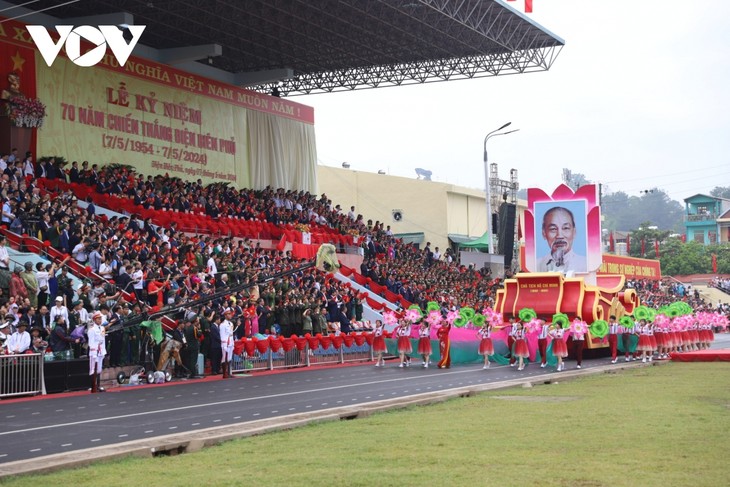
{"x": 561, "y": 319}
{"x": 671, "y": 312}
{"x": 527, "y": 314}
{"x": 644, "y": 313}
{"x": 432, "y": 306}
{"x": 681, "y": 308}
{"x": 467, "y": 313}
{"x": 599, "y": 328}
{"x": 479, "y": 320}
{"x": 415, "y": 306}
{"x": 460, "y": 322}
{"x": 626, "y": 322}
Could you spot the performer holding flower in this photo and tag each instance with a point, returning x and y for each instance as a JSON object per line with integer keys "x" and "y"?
{"x": 521, "y": 351}
{"x": 579, "y": 329}
{"x": 486, "y": 347}
{"x": 560, "y": 349}
{"x": 645, "y": 345}
{"x": 404, "y": 343}
{"x": 379, "y": 347}
{"x": 424, "y": 343}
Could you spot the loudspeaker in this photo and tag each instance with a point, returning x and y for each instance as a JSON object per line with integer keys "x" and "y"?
{"x": 506, "y": 234}
{"x": 495, "y": 224}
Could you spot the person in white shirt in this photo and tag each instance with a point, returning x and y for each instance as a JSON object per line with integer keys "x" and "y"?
{"x": 351, "y": 213}
{"x": 59, "y": 310}
{"x": 19, "y": 341}
{"x": 227, "y": 339}
{"x": 138, "y": 282}
{"x": 28, "y": 168}
{"x": 4, "y": 256}
{"x": 211, "y": 268}
{"x": 97, "y": 350}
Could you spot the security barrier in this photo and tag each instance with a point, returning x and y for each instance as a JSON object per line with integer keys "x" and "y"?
{"x": 279, "y": 353}
{"x": 21, "y": 375}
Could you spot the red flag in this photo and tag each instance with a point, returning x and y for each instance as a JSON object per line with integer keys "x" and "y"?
{"x": 611, "y": 243}
{"x": 714, "y": 263}
{"x": 684, "y": 238}
{"x": 528, "y": 6}
{"x": 519, "y": 230}
{"x": 643, "y": 247}
{"x": 656, "y": 248}
{"x": 282, "y": 243}
{"x": 628, "y": 243}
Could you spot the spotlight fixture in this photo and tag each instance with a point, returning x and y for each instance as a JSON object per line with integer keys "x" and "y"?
{"x": 346, "y": 165}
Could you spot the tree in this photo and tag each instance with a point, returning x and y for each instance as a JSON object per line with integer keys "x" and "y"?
{"x": 678, "y": 258}
{"x": 648, "y": 234}
{"x": 622, "y": 212}
{"x": 721, "y": 192}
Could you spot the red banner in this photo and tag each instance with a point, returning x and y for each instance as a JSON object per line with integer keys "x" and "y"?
{"x": 631, "y": 267}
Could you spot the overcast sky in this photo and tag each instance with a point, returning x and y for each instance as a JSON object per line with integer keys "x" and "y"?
{"x": 638, "y": 98}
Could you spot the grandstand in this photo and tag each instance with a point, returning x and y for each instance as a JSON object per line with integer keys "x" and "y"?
{"x": 176, "y": 175}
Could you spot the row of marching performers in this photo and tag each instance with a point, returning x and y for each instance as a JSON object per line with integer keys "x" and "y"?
{"x": 643, "y": 340}
{"x": 651, "y": 339}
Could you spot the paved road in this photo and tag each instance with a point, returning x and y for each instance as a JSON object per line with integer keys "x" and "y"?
{"x": 38, "y": 428}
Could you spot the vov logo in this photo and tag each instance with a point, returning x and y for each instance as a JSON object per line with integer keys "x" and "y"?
{"x": 71, "y": 37}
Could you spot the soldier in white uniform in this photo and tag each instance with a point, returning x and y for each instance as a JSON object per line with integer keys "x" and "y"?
{"x": 226, "y": 331}
{"x": 97, "y": 350}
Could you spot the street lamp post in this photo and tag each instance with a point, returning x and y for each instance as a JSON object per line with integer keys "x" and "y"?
{"x": 491, "y": 134}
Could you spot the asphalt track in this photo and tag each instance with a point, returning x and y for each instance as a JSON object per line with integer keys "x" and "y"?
{"x": 62, "y": 425}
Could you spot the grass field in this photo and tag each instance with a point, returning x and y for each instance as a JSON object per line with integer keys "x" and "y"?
{"x": 654, "y": 426}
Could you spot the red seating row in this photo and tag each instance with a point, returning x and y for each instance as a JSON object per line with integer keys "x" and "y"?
{"x": 199, "y": 222}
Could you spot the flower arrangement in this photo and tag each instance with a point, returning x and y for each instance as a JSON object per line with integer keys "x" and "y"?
{"x": 26, "y": 112}
{"x": 301, "y": 227}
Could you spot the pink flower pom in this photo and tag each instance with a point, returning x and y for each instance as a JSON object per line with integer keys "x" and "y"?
{"x": 451, "y": 317}
{"x": 389, "y": 318}
{"x": 434, "y": 318}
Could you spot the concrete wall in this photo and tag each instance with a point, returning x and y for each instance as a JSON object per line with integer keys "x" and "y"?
{"x": 432, "y": 208}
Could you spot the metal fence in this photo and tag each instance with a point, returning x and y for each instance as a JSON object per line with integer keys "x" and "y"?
{"x": 21, "y": 375}
{"x": 307, "y": 357}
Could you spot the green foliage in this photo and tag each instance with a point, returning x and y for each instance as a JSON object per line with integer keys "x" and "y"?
{"x": 649, "y": 236}
{"x": 721, "y": 192}
{"x": 623, "y": 212}
{"x": 679, "y": 258}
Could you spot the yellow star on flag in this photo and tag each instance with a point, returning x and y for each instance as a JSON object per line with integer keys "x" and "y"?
{"x": 18, "y": 61}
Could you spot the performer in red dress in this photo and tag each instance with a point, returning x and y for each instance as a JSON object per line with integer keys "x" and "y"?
{"x": 560, "y": 349}
{"x": 613, "y": 331}
{"x": 444, "y": 345}
{"x": 646, "y": 343}
{"x": 542, "y": 343}
{"x": 404, "y": 343}
{"x": 486, "y": 346}
{"x": 379, "y": 347}
{"x": 424, "y": 343}
{"x": 521, "y": 351}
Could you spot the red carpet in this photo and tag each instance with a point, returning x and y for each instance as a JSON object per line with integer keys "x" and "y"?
{"x": 721, "y": 355}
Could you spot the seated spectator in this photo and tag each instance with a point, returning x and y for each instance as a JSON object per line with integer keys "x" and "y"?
{"x": 19, "y": 342}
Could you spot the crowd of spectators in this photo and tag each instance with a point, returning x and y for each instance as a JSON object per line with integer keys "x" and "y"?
{"x": 158, "y": 266}
{"x": 658, "y": 293}
{"x": 723, "y": 284}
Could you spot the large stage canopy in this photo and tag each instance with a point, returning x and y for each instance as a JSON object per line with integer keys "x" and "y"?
{"x": 294, "y": 47}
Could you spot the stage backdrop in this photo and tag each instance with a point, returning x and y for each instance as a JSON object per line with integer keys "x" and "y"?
{"x": 163, "y": 120}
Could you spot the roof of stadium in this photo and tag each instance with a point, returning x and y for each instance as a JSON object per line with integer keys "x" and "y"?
{"x": 316, "y": 46}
